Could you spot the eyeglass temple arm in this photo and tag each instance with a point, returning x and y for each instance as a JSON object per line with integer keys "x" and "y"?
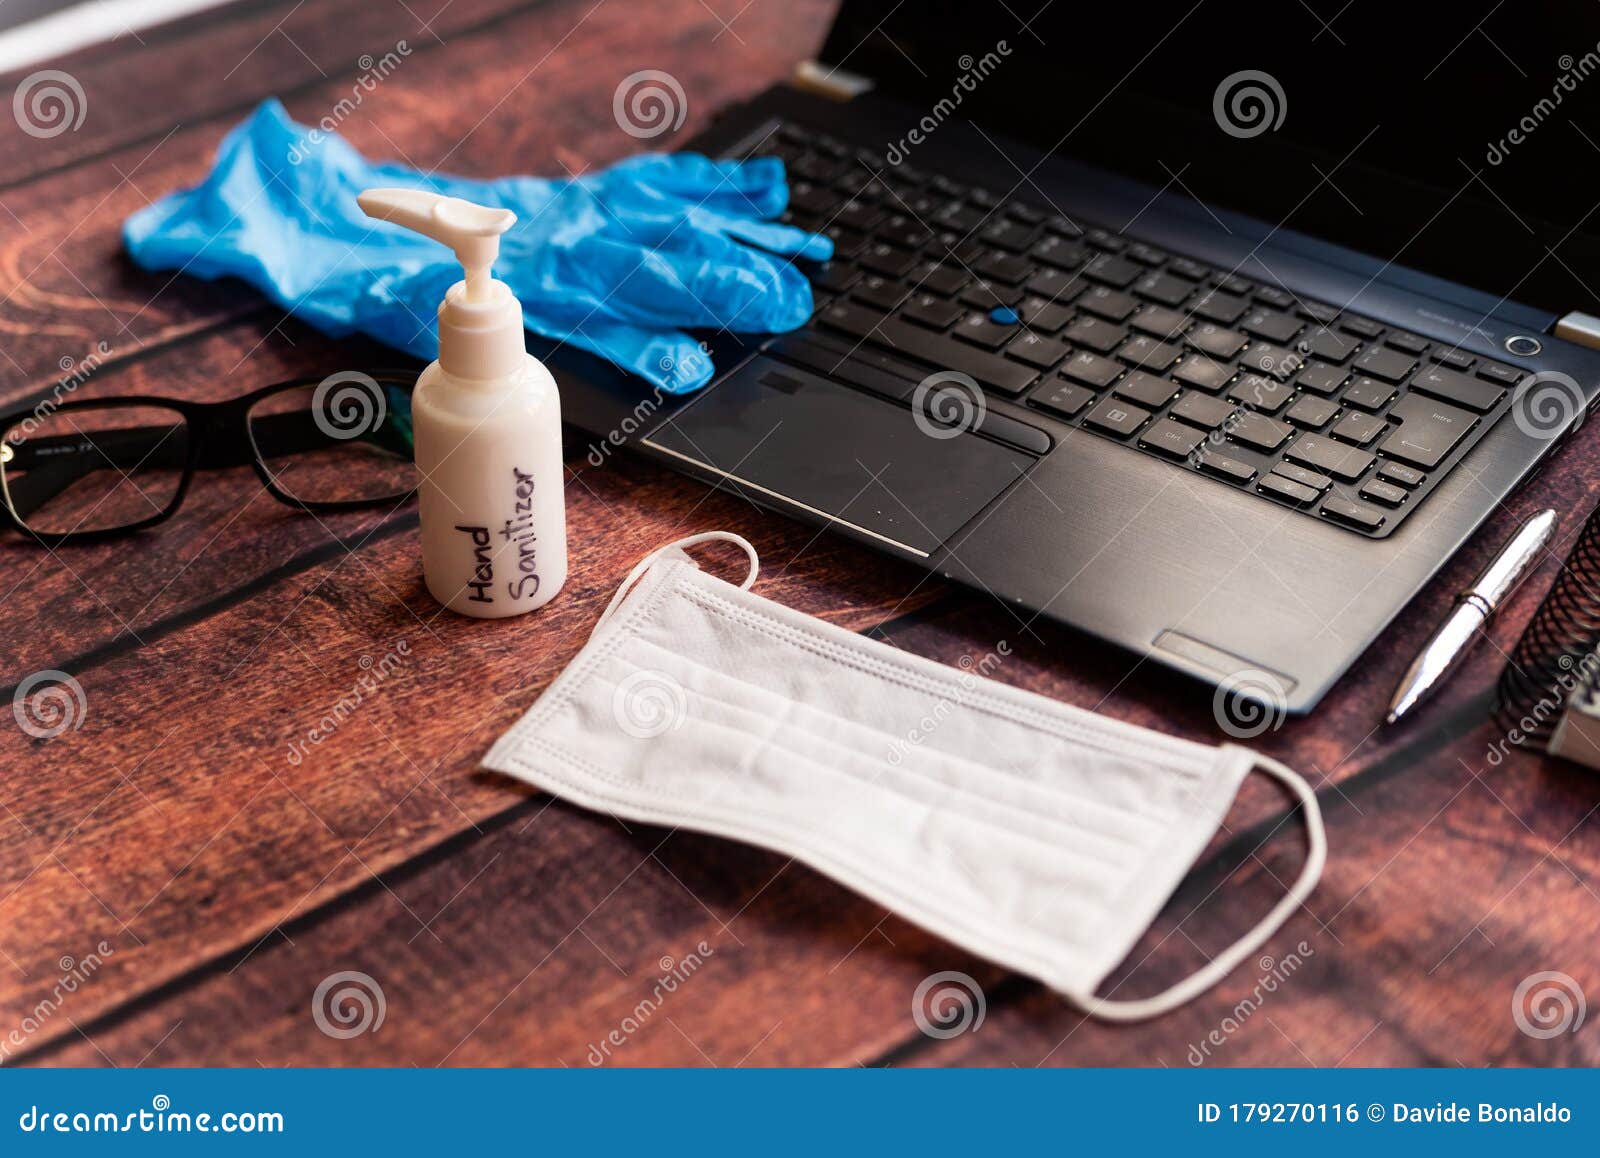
{"x": 51, "y": 464}
{"x": 36, "y": 470}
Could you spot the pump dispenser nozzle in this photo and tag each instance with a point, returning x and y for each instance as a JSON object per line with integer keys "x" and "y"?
{"x": 480, "y": 322}
{"x": 473, "y": 231}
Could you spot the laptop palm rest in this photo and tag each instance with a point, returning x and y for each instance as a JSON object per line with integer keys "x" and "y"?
{"x": 833, "y": 451}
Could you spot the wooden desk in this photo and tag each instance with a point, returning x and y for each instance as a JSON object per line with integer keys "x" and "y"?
{"x": 227, "y": 881}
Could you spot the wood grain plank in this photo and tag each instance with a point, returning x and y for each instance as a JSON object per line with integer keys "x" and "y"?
{"x": 219, "y": 63}
{"x": 557, "y": 959}
{"x": 180, "y": 822}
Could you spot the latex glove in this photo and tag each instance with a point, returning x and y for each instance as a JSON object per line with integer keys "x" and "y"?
{"x": 616, "y": 262}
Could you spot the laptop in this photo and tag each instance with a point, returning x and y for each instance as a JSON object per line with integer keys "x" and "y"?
{"x": 1209, "y": 329}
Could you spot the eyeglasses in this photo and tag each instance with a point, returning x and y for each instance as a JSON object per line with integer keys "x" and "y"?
{"x": 82, "y": 470}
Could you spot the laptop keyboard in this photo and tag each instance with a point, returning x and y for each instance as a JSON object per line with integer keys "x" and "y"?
{"x": 1319, "y": 410}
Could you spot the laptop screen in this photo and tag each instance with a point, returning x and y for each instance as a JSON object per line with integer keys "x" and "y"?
{"x": 1462, "y": 139}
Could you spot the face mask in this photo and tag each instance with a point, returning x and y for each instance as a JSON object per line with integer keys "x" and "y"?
{"x": 1041, "y": 836}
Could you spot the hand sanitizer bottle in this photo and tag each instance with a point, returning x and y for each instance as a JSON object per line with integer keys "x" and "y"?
{"x": 487, "y": 425}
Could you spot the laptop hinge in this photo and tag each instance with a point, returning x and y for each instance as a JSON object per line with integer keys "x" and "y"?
{"x": 833, "y": 83}
{"x": 1584, "y": 329}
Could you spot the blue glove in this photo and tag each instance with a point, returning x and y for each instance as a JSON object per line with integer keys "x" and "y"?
{"x": 616, "y": 263}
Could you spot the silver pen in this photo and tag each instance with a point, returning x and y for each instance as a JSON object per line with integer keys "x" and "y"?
{"x": 1455, "y": 636}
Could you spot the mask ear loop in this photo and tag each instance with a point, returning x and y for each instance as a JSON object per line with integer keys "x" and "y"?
{"x": 649, "y": 560}
{"x": 1226, "y": 961}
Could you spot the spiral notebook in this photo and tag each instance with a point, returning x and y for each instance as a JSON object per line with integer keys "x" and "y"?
{"x": 1549, "y": 693}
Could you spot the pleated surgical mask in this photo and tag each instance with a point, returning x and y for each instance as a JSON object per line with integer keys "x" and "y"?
{"x": 1041, "y": 836}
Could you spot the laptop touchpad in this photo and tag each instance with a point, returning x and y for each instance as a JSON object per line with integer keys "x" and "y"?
{"x": 840, "y": 452}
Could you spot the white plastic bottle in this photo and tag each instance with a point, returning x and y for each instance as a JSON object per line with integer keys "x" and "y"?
{"x": 486, "y": 418}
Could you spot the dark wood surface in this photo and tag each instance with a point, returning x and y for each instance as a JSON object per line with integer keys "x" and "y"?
{"x": 503, "y": 927}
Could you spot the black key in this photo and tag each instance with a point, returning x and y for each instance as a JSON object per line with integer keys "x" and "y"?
{"x": 1162, "y": 288}
{"x": 1192, "y": 270}
{"x": 888, "y": 260}
{"x": 1428, "y": 431}
{"x": 1159, "y": 322}
{"x": 1005, "y": 268}
{"x": 1119, "y": 418}
{"x": 1303, "y": 476}
{"x": 1410, "y": 343}
{"x": 1224, "y": 467}
{"x": 1368, "y": 394}
{"x": 1386, "y": 493}
{"x": 1297, "y": 493}
{"x": 944, "y": 279}
{"x": 853, "y": 320}
{"x": 1094, "y": 334}
{"x": 1202, "y": 372}
{"x": 1354, "y": 514}
{"x": 1312, "y": 413}
{"x": 931, "y": 311}
{"x": 1398, "y": 472}
{"x": 1106, "y": 240}
{"x": 1271, "y": 326}
{"x": 1147, "y": 353}
{"x": 1234, "y": 284}
{"x": 1320, "y": 379}
{"x": 1217, "y": 341}
{"x": 858, "y": 214}
{"x": 1172, "y": 439}
{"x": 1273, "y": 296}
{"x": 1091, "y": 369}
{"x": 1458, "y": 388}
{"x": 1260, "y": 393}
{"x": 1202, "y": 410}
{"x": 1113, "y": 270}
{"x": 986, "y": 295}
{"x": 1037, "y": 350}
{"x": 1389, "y": 365}
{"x": 1342, "y": 462}
{"x": 1025, "y": 213}
{"x": 1455, "y": 359}
{"x": 1495, "y": 372}
{"x": 1055, "y": 285}
{"x": 1146, "y": 390}
{"x": 1113, "y": 305}
{"x": 962, "y": 219}
{"x": 1327, "y": 345}
{"x": 847, "y": 243}
{"x": 1065, "y": 227}
{"x": 904, "y": 232}
{"x": 835, "y": 276}
{"x": 1058, "y": 252}
{"x": 980, "y": 331}
{"x": 809, "y": 198}
{"x": 880, "y": 292}
{"x": 1216, "y": 306}
{"x": 1361, "y": 327}
{"x": 1274, "y": 360}
{"x": 1062, "y": 398}
{"x": 1260, "y": 432}
{"x": 1319, "y": 312}
{"x": 1044, "y": 316}
{"x": 1009, "y": 234}
{"x": 1147, "y": 254}
{"x": 1358, "y": 428}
